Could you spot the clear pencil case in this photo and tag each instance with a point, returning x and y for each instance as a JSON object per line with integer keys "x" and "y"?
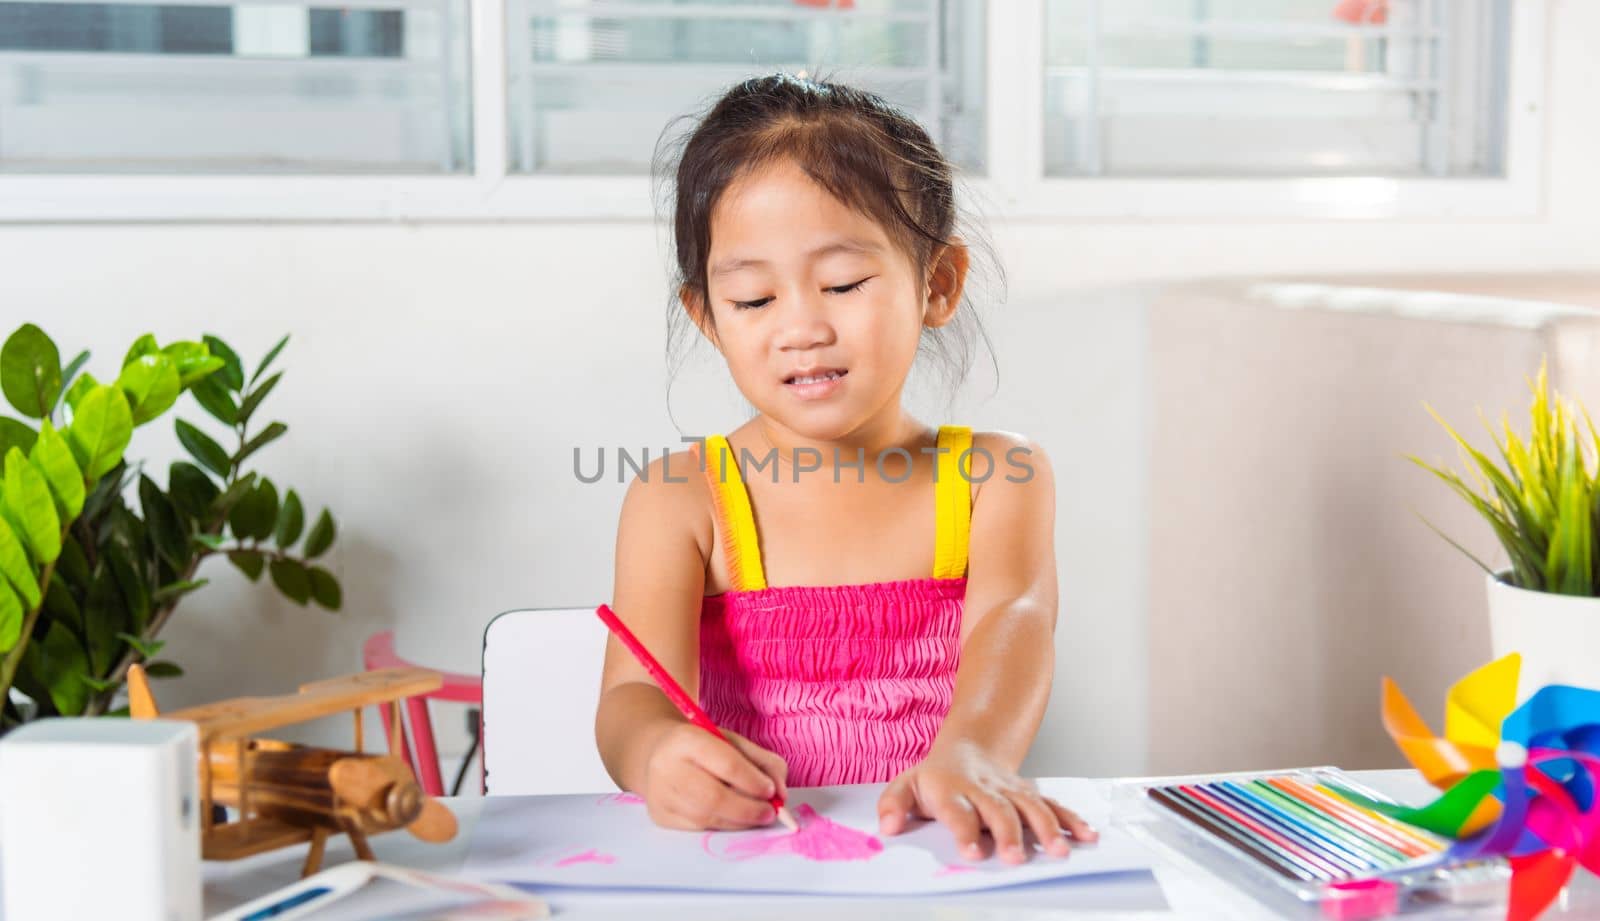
{"x": 1161, "y": 812}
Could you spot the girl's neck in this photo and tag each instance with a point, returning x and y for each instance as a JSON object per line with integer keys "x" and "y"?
{"x": 898, "y": 429}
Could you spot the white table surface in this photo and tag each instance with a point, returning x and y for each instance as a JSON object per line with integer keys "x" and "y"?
{"x": 1170, "y": 892}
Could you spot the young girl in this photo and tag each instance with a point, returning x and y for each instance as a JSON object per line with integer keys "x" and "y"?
{"x": 877, "y": 606}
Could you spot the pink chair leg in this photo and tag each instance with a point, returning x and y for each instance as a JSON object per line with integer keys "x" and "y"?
{"x": 422, "y": 739}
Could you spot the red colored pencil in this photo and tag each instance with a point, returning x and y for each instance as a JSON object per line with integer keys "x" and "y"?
{"x": 679, "y": 697}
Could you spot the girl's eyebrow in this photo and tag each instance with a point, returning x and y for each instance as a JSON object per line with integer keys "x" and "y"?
{"x": 849, "y": 245}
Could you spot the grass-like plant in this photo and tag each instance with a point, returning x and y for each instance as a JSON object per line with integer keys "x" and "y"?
{"x": 1541, "y": 498}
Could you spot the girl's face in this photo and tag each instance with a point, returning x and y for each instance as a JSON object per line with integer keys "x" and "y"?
{"x": 817, "y": 312}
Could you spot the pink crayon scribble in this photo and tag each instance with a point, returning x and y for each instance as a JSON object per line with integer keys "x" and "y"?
{"x": 818, "y": 839}
{"x": 954, "y": 868}
{"x": 622, "y": 799}
{"x": 589, "y": 856}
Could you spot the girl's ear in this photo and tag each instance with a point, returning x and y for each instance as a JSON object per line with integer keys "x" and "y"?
{"x": 947, "y": 276}
{"x": 700, "y": 313}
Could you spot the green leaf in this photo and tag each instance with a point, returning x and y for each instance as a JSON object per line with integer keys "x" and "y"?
{"x": 144, "y": 345}
{"x": 291, "y": 521}
{"x": 58, "y": 664}
{"x": 210, "y": 541}
{"x": 147, "y": 649}
{"x": 193, "y": 360}
{"x": 247, "y": 406}
{"x": 212, "y": 395}
{"x": 151, "y": 384}
{"x": 163, "y": 670}
{"x": 105, "y": 611}
{"x": 172, "y": 592}
{"x": 256, "y": 514}
{"x": 268, "y": 435}
{"x": 203, "y": 449}
{"x": 248, "y": 562}
{"x": 99, "y": 685}
{"x": 321, "y": 536}
{"x": 60, "y": 605}
{"x": 292, "y": 579}
{"x": 52, "y": 457}
{"x": 241, "y": 487}
{"x": 107, "y": 492}
{"x": 268, "y": 360}
{"x": 79, "y": 389}
{"x": 232, "y": 368}
{"x": 325, "y": 588}
{"x": 199, "y": 372}
{"x": 14, "y": 434}
{"x": 73, "y": 566}
{"x": 69, "y": 374}
{"x": 167, "y": 531}
{"x": 30, "y": 371}
{"x": 15, "y": 567}
{"x": 11, "y": 617}
{"x": 101, "y": 428}
{"x": 192, "y": 492}
{"x": 30, "y": 509}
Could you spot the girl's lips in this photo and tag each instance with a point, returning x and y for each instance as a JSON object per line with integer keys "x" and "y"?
{"x": 818, "y": 389}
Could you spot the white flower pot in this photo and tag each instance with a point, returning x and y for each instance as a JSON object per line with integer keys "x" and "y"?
{"x": 1557, "y": 635}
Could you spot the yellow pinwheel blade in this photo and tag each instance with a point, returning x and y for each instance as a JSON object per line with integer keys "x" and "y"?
{"x": 1477, "y": 704}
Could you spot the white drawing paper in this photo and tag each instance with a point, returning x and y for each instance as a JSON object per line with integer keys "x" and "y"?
{"x": 609, "y": 842}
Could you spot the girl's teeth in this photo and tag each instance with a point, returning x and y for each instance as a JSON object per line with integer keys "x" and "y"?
{"x": 831, "y": 375}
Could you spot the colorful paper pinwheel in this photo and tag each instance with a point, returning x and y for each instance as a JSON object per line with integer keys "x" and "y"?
{"x": 1519, "y": 783}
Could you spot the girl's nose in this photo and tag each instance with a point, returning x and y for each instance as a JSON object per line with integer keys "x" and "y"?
{"x": 805, "y": 323}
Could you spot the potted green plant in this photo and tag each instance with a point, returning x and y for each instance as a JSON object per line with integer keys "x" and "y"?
{"x": 1542, "y": 500}
{"x": 95, "y": 554}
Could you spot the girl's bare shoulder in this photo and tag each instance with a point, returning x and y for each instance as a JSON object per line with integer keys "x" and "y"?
{"x": 670, "y": 496}
{"x": 1010, "y": 457}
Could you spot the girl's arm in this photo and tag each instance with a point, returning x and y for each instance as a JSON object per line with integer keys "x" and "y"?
{"x": 969, "y": 780}
{"x": 688, "y": 778}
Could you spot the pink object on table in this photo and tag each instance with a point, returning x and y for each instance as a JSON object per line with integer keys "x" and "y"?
{"x": 1363, "y": 898}
{"x": 378, "y": 652}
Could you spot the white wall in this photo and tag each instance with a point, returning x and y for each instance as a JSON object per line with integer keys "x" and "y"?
{"x": 441, "y": 375}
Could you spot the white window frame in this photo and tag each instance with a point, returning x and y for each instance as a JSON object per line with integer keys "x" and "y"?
{"x": 1014, "y": 189}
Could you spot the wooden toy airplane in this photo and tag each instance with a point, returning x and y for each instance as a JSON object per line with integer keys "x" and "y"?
{"x": 286, "y": 794}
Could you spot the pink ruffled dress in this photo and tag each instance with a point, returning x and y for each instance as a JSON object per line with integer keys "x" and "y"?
{"x": 849, "y": 683}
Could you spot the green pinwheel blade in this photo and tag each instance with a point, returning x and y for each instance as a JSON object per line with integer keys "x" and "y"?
{"x": 1444, "y": 816}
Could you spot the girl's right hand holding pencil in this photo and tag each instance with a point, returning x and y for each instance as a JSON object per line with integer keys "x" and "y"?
{"x": 695, "y": 781}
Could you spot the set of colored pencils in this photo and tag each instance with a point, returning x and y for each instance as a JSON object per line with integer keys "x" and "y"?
{"x": 1302, "y": 831}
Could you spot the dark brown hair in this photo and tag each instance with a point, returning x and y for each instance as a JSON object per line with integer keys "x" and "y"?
{"x": 868, "y": 154}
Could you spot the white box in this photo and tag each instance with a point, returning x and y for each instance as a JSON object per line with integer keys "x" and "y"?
{"x": 99, "y": 818}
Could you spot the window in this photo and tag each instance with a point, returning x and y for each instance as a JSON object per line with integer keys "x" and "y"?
{"x": 591, "y": 84}
{"x": 552, "y": 109}
{"x": 1275, "y": 87}
{"x": 250, "y": 88}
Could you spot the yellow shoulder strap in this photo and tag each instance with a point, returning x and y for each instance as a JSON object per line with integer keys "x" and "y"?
{"x": 952, "y": 499}
{"x": 734, "y": 516}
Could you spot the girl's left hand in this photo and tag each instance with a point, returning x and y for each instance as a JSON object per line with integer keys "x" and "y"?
{"x": 968, "y": 791}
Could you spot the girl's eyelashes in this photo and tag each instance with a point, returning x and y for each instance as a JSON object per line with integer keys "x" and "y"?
{"x": 846, "y": 289}
{"x": 836, "y": 289}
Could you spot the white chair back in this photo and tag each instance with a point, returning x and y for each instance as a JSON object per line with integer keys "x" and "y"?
{"x": 541, "y": 683}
